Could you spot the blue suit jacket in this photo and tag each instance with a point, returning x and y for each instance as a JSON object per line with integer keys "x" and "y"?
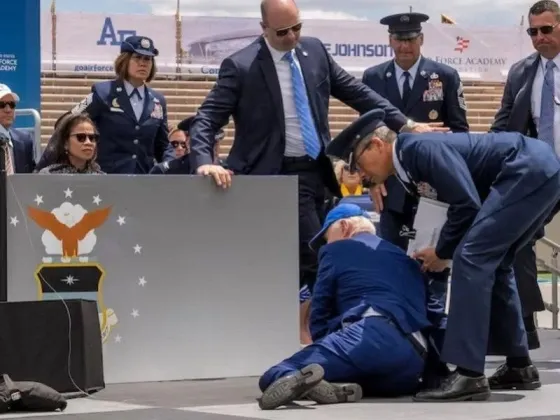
{"x": 515, "y": 112}
{"x": 463, "y": 168}
{"x": 367, "y": 271}
{"x": 451, "y": 110}
{"x": 24, "y": 151}
{"x": 248, "y": 89}
{"x": 126, "y": 146}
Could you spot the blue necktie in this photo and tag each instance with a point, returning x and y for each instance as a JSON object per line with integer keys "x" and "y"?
{"x": 546, "y": 120}
{"x": 308, "y": 130}
{"x": 134, "y": 93}
{"x": 406, "y": 90}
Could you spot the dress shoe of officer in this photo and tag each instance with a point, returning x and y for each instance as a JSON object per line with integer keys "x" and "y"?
{"x": 457, "y": 387}
{"x": 331, "y": 393}
{"x": 507, "y": 377}
{"x": 291, "y": 387}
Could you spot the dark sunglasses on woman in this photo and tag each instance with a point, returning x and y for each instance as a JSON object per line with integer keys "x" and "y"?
{"x": 176, "y": 144}
{"x": 82, "y": 137}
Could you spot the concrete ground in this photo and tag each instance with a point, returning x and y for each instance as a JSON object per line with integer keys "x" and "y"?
{"x": 234, "y": 399}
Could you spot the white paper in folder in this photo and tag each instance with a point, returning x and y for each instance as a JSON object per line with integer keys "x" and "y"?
{"x": 429, "y": 220}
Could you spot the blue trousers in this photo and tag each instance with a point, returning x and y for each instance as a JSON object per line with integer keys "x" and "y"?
{"x": 370, "y": 352}
{"x": 390, "y": 228}
{"x": 484, "y": 298}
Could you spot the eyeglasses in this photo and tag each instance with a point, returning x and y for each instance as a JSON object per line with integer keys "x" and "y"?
{"x": 283, "y": 32}
{"x": 349, "y": 169}
{"x": 176, "y": 144}
{"x": 545, "y": 30}
{"x": 11, "y": 104}
{"x": 82, "y": 137}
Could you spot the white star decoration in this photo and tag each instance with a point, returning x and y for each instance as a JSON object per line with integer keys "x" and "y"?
{"x": 14, "y": 221}
{"x": 118, "y": 338}
{"x": 38, "y": 199}
{"x": 69, "y": 280}
{"x": 68, "y": 193}
{"x": 121, "y": 220}
{"x": 142, "y": 281}
{"x": 135, "y": 313}
{"x": 137, "y": 249}
{"x": 97, "y": 200}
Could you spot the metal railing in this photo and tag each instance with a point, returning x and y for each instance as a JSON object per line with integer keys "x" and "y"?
{"x": 36, "y": 128}
{"x": 552, "y": 267}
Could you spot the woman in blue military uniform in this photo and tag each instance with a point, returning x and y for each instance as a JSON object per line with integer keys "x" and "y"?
{"x": 130, "y": 116}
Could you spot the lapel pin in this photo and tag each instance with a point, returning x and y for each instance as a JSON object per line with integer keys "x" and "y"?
{"x": 388, "y": 74}
{"x": 304, "y": 53}
{"x": 434, "y": 76}
{"x": 423, "y": 73}
{"x": 115, "y": 103}
{"x": 119, "y": 89}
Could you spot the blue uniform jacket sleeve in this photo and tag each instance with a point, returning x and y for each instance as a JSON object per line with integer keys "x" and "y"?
{"x": 92, "y": 104}
{"x": 214, "y": 113}
{"x": 163, "y": 151}
{"x": 502, "y": 116}
{"x": 358, "y": 96}
{"x": 323, "y": 298}
{"x": 447, "y": 172}
{"x": 455, "y": 105}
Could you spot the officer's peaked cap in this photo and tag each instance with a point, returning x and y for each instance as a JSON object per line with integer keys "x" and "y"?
{"x": 405, "y": 25}
{"x": 141, "y": 45}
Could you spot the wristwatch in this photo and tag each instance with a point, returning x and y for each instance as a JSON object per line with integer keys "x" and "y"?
{"x": 408, "y": 127}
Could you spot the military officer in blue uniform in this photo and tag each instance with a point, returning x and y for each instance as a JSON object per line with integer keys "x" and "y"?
{"x": 130, "y": 116}
{"x": 425, "y": 91}
{"x": 367, "y": 315}
{"x": 501, "y": 188}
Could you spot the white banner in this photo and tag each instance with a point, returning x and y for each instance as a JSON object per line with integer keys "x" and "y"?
{"x": 478, "y": 53}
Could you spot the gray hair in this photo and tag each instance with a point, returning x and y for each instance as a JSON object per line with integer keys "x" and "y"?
{"x": 384, "y": 133}
{"x": 360, "y": 224}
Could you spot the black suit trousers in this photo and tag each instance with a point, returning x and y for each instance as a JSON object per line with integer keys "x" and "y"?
{"x": 311, "y": 200}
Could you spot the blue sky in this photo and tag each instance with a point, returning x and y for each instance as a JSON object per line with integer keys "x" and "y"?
{"x": 468, "y": 12}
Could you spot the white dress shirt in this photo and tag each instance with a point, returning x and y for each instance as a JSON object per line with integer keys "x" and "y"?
{"x": 294, "y": 140}
{"x": 4, "y": 132}
{"x": 536, "y": 94}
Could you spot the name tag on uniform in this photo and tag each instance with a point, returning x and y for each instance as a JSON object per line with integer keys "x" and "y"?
{"x": 112, "y": 109}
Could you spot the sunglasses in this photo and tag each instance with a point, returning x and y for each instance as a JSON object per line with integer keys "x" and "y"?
{"x": 11, "y": 104}
{"x": 349, "y": 168}
{"x": 545, "y": 30}
{"x": 283, "y": 32}
{"x": 176, "y": 144}
{"x": 82, "y": 137}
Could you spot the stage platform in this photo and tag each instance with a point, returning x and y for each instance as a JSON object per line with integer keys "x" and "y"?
{"x": 234, "y": 399}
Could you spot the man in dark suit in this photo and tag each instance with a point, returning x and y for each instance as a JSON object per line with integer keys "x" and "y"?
{"x": 366, "y": 320}
{"x": 530, "y": 105}
{"x": 277, "y": 89}
{"x": 424, "y": 91}
{"x": 19, "y": 145}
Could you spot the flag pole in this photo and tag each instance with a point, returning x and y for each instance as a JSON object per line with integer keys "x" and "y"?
{"x": 53, "y": 35}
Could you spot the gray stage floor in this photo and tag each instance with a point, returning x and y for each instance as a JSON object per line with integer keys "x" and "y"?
{"x": 234, "y": 399}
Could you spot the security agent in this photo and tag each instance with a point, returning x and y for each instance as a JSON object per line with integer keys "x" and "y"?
{"x": 130, "y": 116}
{"x": 424, "y": 91}
{"x": 500, "y": 187}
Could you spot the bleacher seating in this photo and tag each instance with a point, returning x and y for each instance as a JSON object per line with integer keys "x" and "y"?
{"x": 59, "y": 93}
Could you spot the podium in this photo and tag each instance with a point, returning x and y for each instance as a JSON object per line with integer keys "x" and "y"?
{"x": 37, "y": 338}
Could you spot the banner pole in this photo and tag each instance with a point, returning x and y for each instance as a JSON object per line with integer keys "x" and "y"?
{"x": 3, "y": 226}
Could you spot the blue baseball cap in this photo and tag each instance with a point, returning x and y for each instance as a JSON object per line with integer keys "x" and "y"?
{"x": 141, "y": 45}
{"x": 342, "y": 211}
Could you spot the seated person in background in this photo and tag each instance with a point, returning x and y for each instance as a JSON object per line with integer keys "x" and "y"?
{"x": 20, "y": 143}
{"x": 181, "y": 165}
{"x": 350, "y": 181}
{"x": 74, "y": 147}
{"x": 368, "y": 306}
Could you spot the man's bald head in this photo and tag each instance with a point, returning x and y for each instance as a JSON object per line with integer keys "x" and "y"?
{"x": 272, "y": 7}
{"x": 280, "y": 23}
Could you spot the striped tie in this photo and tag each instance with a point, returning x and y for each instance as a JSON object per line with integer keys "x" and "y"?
{"x": 9, "y": 167}
{"x": 308, "y": 129}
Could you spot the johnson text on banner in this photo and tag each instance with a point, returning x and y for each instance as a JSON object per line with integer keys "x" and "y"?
{"x": 428, "y": 222}
{"x": 100, "y": 36}
{"x": 20, "y": 54}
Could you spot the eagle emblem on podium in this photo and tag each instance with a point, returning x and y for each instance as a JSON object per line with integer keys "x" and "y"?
{"x": 68, "y": 269}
